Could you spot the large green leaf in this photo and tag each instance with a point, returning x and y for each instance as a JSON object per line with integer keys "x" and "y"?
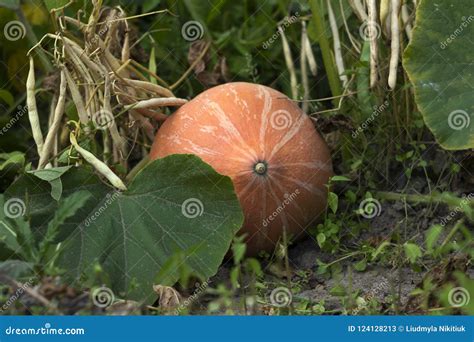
{"x": 178, "y": 203}
{"x": 440, "y": 63}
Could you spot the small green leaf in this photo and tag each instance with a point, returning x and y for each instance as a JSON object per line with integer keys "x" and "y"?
{"x": 432, "y": 236}
{"x": 53, "y": 176}
{"x": 339, "y": 179}
{"x": 338, "y": 291}
{"x": 152, "y": 65}
{"x": 254, "y": 265}
{"x": 380, "y": 249}
{"x": 333, "y": 201}
{"x": 361, "y": 265}
{"x": 238, "y": 251}
{"x": 234, "y": 277}
{"x": 50, "y": 174}
{"x": 412, "y": 252}
{"x": 321, "y": 239}
{"x": 322, "y": 267}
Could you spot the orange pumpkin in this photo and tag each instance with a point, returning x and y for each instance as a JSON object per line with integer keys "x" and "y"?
{"x": 278, "y": 162}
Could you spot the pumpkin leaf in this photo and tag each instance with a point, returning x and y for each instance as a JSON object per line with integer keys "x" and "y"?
{"x": 175, "y": 204}
{"x": 439, "y": 62}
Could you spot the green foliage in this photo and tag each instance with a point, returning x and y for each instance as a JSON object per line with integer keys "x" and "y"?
{"x": 18, "y": 240}
{"x": 438, "y": 61}
{"x": 41, "y": 207}
{"x": 171, "y": 206}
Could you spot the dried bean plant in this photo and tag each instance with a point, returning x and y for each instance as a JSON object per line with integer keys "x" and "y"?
{"x": 118, "y": 108}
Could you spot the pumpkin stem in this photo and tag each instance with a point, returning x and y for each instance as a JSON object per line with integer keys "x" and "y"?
{"x": 260, "y": 168}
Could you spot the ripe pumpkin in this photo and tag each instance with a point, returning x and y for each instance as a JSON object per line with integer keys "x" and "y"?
{"x": 278, "y": 162}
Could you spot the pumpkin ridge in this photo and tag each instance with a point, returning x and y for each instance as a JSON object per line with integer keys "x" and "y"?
{"x": 233, "y": 127}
